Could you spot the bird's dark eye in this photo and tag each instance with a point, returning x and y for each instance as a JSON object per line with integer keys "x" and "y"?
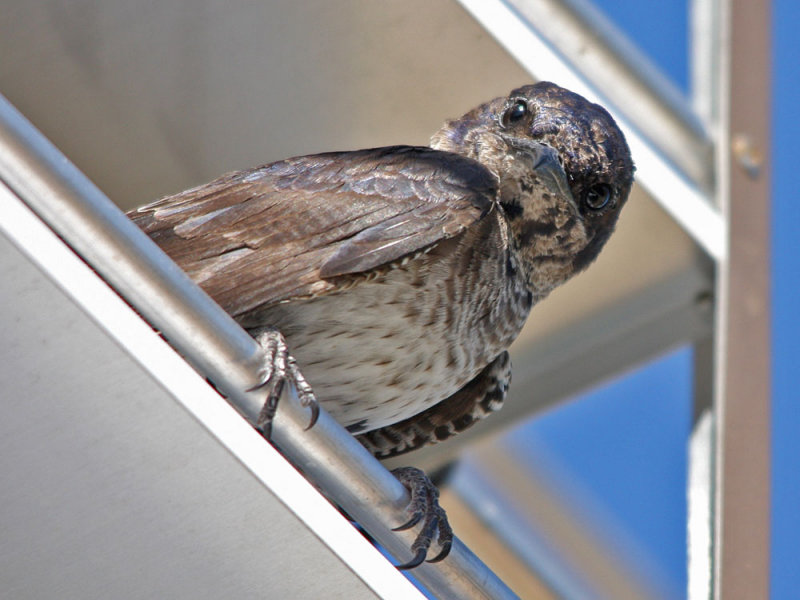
{"x": 515, "y": 112}
{"x": 598, "y": 196}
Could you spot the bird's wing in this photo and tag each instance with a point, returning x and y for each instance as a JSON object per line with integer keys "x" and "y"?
{"x": 306, "y": 226}
{"x": 483, "y": 395}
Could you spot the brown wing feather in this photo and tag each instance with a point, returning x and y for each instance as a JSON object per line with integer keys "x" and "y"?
{"x": 294, "y": 228}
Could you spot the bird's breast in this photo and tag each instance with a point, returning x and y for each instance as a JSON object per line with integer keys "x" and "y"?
{"x": 390, "y": 347}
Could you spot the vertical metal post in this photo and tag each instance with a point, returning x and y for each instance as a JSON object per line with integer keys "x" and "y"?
{"x": 742, "y": 345}
{"x": 729, "y": 447}
{"x": 706, "y": 51}
{"x": 700, "y": 488}
{"x": 705, "y": 31}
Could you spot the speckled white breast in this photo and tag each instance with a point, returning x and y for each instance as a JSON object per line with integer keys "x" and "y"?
{"x": 390, "y": 347}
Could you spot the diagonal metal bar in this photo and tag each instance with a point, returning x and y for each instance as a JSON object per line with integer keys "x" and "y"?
{"x": 573, "y": 547}
{"x": 680, "y": 197}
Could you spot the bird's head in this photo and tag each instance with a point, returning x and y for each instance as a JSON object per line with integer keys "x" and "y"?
{"x": 564, "y": 169}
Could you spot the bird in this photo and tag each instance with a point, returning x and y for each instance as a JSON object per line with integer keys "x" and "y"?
{"x": 387, "y": 284}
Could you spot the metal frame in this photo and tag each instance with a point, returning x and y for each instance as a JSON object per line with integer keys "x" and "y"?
{"x": 706, "y": 165}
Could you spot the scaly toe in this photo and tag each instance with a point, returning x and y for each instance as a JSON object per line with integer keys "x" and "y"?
{"x": 424, "y": 507}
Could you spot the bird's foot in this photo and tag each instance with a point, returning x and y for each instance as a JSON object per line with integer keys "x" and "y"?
{"x": 424, "y": 507}
{"x": 280, "y": 368}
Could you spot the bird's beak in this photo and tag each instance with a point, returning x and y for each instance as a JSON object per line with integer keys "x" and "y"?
{"x": 546, "y": 165}
{"x": 548, "y": 169}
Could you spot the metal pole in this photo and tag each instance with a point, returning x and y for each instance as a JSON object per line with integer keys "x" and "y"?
{"x": 700, "y": 484}
{"x": 742, "y": 381}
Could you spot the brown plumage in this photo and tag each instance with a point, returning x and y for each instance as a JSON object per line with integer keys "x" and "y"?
{"x": 305, "y": 222}
{"x": 399, "y": 276}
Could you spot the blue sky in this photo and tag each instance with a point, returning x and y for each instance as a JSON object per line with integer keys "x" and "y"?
{"x": 628, "y": 445}
{"x": 786, "y": 282}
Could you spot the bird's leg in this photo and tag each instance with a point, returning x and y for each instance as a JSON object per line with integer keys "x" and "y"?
{"x": 424, "y": 506}
{"x": 280, "y": 368}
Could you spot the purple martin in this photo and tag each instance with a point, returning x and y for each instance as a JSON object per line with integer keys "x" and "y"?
{"x": 391, "y": 281}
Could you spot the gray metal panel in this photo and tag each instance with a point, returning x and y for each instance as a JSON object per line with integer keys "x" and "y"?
{"x": 110, "y": 489}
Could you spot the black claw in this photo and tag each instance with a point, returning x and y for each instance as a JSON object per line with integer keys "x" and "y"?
{"x": 418, "y": 559}
{"x": 314, "y": 406}
{"x": 258, "y": 386}
{"x": 408, "y": 525}
{"x": 444, "y": 553}
{"x": 424, "y": 507}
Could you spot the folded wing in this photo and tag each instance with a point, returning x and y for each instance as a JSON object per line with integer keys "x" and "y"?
{"x": 307, "y": 226}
